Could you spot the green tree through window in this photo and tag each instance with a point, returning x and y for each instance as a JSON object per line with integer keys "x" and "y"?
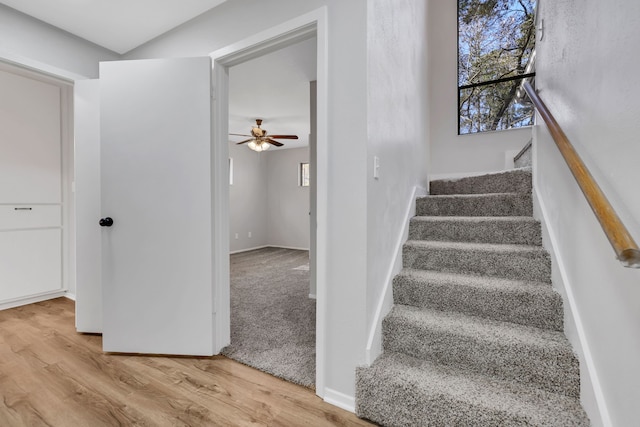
{"x": 496, "y": 40}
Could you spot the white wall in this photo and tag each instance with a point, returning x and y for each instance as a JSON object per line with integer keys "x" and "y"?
{"x": 265, "y": 199}
{"x": 33, "y": 43}
{"x": 398, "y": 117}
{"x": 452, "y": 153}
{"x": 587, "y": 75}
{"x": 287, "y": 202}
{"x": 346, "y": 276}
{"x": 247, "y": 199}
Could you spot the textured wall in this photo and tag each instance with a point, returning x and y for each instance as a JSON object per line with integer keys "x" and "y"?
{"x": 397, "y": 123}
{"x": 587, "y": 75}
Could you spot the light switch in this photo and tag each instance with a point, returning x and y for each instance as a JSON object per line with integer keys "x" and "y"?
{"x": 376, "y": 167}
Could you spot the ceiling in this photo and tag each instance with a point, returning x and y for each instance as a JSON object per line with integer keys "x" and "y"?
{"x": 273, "y": 87}
{"x": 118, "y": 25}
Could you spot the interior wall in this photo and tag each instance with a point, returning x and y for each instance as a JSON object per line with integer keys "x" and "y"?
{"x": 452, "y": 153}
{"x": 33, "y": 43}
{"x": 248, "y": 199}
{"x": 346, "y": 194}
{"x": 287, "y": 202}
{"x": 586, "y": 76}
{"x": 266, "y": 200}
{"x": 398, "y": 118}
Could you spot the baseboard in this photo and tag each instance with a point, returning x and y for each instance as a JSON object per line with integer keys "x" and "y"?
{"x": 17, "y": 302}
{"x": 374, "y": 343}
{"x": 239, "y": 251}
{"x": 341, "y": 400}
{"x": 268, "y": 246}
{"x": 312, "y": 296}
{"x": 70, "y": 296}
{"x": 562, "y": 283}
{"x": 288, "y": 247}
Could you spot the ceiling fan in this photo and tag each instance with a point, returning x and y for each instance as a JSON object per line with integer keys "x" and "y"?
{"x": 259, "y": 140}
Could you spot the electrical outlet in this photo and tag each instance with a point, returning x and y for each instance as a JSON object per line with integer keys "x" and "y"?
{"x": 249, "y": 234}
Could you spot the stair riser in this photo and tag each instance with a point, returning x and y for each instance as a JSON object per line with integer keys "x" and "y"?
{"x": 509, "y": 182}
{"x": 542, "y": 311}
{"x": 551, "y": 369}
{"x": 512, "y": 232}
{"x": 400, "y": 408}
{"x": 488, "y": 205}
{"x": 533, "y": 265}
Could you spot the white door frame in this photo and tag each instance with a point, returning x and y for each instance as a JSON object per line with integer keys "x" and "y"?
{"x": 290, "y": 32}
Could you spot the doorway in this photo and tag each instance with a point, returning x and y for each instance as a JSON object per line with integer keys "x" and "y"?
{"x": 272, "y": 314}
{"x": 304, "y": 28}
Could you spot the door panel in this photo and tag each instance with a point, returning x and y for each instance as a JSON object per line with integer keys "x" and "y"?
{"x": 86, "y": 121}
{"x": 20, "y": 251}
{"x": 156, "y": 185}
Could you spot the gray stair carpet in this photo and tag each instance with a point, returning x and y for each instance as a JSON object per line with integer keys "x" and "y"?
{"x": 475, "y": 336}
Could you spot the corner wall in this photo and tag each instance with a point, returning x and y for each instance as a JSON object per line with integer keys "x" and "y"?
{"x": 266, "y": 200}
{"x": 32, "y": 43}
{"x": 586, "y": 75}
{"x": 287, "y": 202}
{"x": 247, "y": 199}
{"x": 452, "y": 153}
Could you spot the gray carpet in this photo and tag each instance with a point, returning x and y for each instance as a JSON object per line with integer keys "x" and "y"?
{"x": 273, "y": 321}
{"x": 475, "y": 335}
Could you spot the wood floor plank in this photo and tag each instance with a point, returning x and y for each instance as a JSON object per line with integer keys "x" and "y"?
{"x": 52, "y": 376}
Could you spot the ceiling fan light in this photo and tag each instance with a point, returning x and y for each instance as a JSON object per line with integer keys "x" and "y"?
{"x": 253, "y": 146}
{"x": 264, "y": 145}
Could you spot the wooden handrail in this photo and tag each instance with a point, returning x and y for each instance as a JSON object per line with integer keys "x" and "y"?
{"x": 623, "y": 244}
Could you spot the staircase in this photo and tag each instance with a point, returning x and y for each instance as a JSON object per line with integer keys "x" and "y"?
{"x": 475, "y": 335}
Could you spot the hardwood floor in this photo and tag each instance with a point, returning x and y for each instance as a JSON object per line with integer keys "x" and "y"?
{"x": 52, "y": 376}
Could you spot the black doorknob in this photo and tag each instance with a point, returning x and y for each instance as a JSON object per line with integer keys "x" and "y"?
{"x": 106, "y": 222}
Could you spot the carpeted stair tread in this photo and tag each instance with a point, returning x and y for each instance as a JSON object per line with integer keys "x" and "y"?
{"x": 518, "y": 301}
{"x": 399, "y": 390}
{"x": 508, "y": 350}
{"x": 474, "y": 337}
{"x": 523, "y": 230}
{"x": 495, "y": 204}
{"x": 512, "y": 181}
{"x": 522, "y": 262}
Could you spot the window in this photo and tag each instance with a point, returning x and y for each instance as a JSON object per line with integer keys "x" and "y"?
{"x": 496, "y": 48}
{"x": 303, "y": 173}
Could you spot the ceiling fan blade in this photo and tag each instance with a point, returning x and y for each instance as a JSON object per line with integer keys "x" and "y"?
{"x": 284, "y": 136}
{"x": 238, "y": 134}
{"x": 246, "y": 140}
{"x": 272, "y": 142}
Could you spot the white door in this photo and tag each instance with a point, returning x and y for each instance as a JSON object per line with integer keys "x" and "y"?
{"x": 155, "y": 159}
{"x": 86, "y": 122}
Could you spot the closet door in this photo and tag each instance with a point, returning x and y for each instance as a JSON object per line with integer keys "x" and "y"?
{"x": 30, "y": 188}
{"x": 156, "y": 187}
